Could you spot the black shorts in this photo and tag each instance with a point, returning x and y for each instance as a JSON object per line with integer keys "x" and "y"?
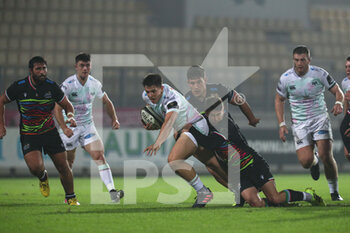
{"x": 50, "y": 142}
{"x": 343, "y": 127}
{"x": 256, "y": 175}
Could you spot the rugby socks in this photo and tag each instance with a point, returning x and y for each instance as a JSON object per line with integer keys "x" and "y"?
{"x": 333, "y": 185}
{"x": 70, "y": 196}
{"x": 292, "y": 195}
{"x": 197, "y": 184}
{"x": 106, "y": 176}
{"x": 43, "y": 177}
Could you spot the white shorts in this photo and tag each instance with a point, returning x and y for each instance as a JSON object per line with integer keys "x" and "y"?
{"x": 307, "y": 132}
{"x": 82, "y": 135}
{"x": 202, "y": 127}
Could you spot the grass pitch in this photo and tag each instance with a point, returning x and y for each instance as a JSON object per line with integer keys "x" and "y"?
{"x": 23, "y": 209}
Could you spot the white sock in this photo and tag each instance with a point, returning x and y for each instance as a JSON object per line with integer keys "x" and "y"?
{"x": 307, "y": 196}
{"x": 333, "y": 185}
{"x": 315, "y": 161}
{"x": 106, "y": 176}
{"x": 196, "y": 183}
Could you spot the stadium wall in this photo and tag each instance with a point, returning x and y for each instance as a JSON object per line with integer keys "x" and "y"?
{"x": 125, "y": 146}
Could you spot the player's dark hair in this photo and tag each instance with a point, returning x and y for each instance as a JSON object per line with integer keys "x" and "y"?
{"x": 36, "y": 59}
{"x": 302, "y": 49}
{"x": 348, "y": 58}
{"x": 195, "y": 72}
{"x": 152, "y": 80}
{"x": 82, "y": 57}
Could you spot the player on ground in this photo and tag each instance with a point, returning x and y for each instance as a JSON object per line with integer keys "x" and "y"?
{"x": 81, "y": 89}
{"x": 345, "y": 125}
{"x": 200, "y": 89}
{"x": 304, "y": 85}
{"x": 177, "y": 112}
{"x": 36, "y": 96}
{"x": 255, "y": 175}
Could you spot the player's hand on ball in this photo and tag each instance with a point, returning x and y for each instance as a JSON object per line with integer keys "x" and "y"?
{"x": 152, "y": 149}
{"x": 283, "y": 132}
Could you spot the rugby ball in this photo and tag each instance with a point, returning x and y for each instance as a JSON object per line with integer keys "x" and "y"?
{"x": 149, "y": 116}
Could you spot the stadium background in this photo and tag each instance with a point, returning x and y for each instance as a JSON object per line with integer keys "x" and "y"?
{"x": 171, "y": 33}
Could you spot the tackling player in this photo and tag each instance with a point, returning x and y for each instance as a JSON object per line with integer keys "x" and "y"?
{"x": 255, "y": 175}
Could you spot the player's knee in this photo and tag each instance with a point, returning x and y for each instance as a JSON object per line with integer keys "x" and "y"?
{"x": 171, "y": 158}
{"x": 98, "y": 157}
{"x": 36, "y": 170}
{"x": 307, "y": 162}
{"x": 256, "y": 203}
{"x": 327, "y": 159}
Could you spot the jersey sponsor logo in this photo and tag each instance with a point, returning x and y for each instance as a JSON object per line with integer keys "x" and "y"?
{"x": 322, "y": 132}
{"x": 173, "y": 105}
{"x": 314, "y": 83}
{"x": 69, "y": 144}
{"x": 90, "y": 135}
{"x": 299, "y": 142}
{"x": 21, "y": 82}
{"x": 75, "y": 94}
{"x": 92, "y": 93}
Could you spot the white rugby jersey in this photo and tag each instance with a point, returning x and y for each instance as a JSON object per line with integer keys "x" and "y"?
{"x": 345, "y": 85}
{"x": 173, "y": 101}
{"x": 82, "y": 97}
{"x": 306, "y": 93}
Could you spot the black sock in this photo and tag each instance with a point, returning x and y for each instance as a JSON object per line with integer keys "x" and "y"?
{"x": 43, "y": 177}
{"x": 292, "y": 195}
{"x": 70, "y": 196}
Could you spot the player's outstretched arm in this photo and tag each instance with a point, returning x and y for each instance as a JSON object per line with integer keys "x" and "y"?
{"x": 3, "y": 100}
{"x": 279, "y": 109}
{"x": 111, "y": 111}
{"x": 339, "y": 99}
{"x": 245, "y": 109}
{"x": 164, "y": 132}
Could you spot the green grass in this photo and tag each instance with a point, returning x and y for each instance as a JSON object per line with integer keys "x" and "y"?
{"x": 23, "y": 209}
